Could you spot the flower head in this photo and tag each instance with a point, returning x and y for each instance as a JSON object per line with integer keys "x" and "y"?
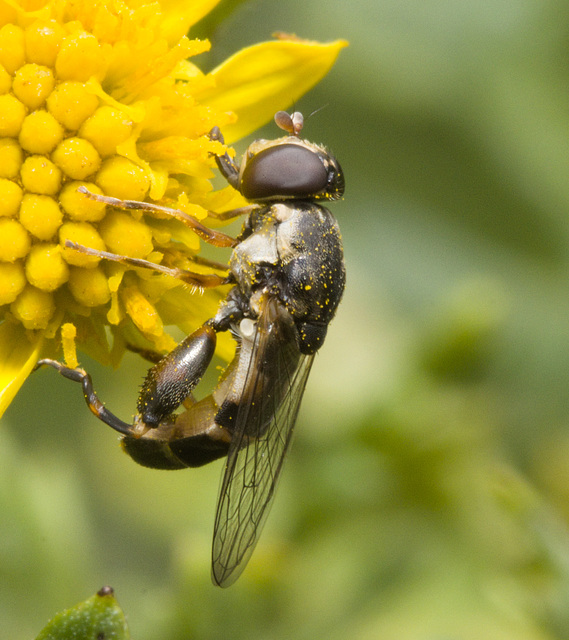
{"x": 101, "y": 94}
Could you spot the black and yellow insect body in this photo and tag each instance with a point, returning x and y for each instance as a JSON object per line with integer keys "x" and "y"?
{"x": 288, "y": 276}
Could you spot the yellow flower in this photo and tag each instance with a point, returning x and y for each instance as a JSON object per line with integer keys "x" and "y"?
{"x": 101, "y": 94}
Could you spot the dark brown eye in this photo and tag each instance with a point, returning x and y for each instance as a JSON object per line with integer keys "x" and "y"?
{"x": 287, "y": 170}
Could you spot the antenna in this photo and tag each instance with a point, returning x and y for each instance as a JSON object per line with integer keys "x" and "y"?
{"x": 317, "y": 110}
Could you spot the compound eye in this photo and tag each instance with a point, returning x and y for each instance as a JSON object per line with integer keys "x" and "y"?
{"x": 287, "y": 170}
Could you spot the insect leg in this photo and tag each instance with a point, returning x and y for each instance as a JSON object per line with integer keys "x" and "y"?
{"x": 172, "y": 380}
{"x": 223, "y": 216}
{"x": 148, "y": 354}
{"x": 188, "y": 439}
{"x": 93, "y": 402}
{"x": 230, "y": 171}
{"x": 206, "y": 262}
{"x": 225, "y": 164}
{"x": 216, "y": 238}
{"x": 200, "y": 280}
{"x": 167, "y": 384}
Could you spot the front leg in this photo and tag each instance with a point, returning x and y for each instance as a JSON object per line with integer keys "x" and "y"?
{"x": 198, "y": 280}
{"x": 229, "y": 170}
{"x": 215, "y": 238}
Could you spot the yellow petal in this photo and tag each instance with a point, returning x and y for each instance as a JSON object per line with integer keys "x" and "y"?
{"x": 19, "y": 356}
{"x": 259, "y": 80}
{"x": 180, "y": 15}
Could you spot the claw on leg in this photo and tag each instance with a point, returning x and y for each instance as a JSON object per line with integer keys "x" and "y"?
{"x": 93, "y": 402}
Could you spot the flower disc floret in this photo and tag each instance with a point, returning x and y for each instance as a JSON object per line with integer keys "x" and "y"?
{"x": 12, "y": 114}
{"x": 77, "y": 158}
{"x": 84, "y": 234}
{"x": 16, "y": 240}
{"x": 5, "y": 80}
{"x": 11, "y": 158}
{"x": 12, "y": 47}
{"x": 45, "y": 267}
{"x": 123, "y": 178}
{"x": 32, "y": 84}
{"x": 42, "y": 40}
{"x": 40, "y": 215}
{"x": 40, "y": 132}
{"x": 89, "y": 287}
{"x": 106, "y": 128}
{"x": 71, "y": 103}
{"x": 80, "y": 57}
{"x": 126, "y": 236}
{"x": 33, "y": 308}
{"x": 40, "y": 175}
{"x": 10, "y": 197}
{"x": 77, "y": 207}
{"x": 12, "y": 281}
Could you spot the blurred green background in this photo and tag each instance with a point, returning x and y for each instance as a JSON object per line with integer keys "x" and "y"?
{"x": 427, "y": 492}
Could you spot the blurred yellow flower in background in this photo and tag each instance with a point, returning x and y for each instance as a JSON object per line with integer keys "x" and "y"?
{"x": 101, "y": 94}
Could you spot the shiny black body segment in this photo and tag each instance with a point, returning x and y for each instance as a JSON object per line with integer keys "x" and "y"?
{"x": 288, "y": 276}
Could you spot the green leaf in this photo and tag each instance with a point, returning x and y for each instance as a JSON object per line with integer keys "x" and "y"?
{"x": 98, "y": 618}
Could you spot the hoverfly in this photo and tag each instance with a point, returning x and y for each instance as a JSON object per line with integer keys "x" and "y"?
{"x": 288, "y": 276}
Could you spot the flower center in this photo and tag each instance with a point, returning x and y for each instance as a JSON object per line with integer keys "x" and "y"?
{"x": 58, "y": 131}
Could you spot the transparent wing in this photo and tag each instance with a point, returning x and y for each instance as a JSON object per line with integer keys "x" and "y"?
{"x": 267, "y": 411}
